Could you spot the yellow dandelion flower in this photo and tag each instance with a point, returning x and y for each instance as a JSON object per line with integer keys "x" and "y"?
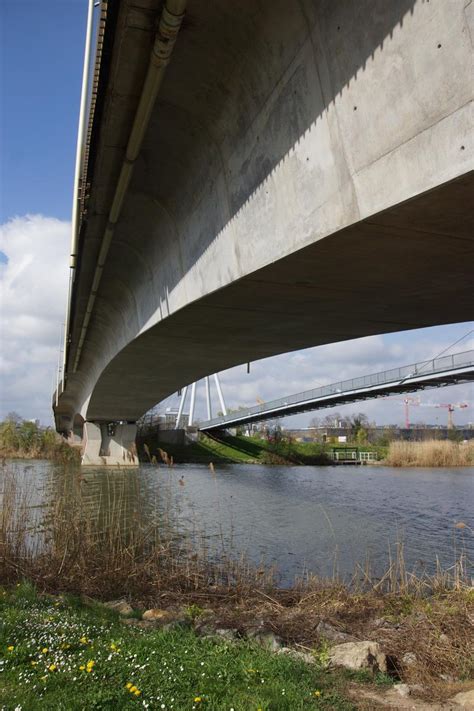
{"x": 33, "y": 663}
{"x": 317, "y": 693}
{"x": 52, "y": 667}
{"x": 113, "y": 646}
{"x": 88, "y": 670}
{"x": 82, "y": 667}
{"x": 11, "y": 648}
{"x": 137, "y": 692}
{"x": 83, "y": 640}
{"x": 128, "y": 685}
{"x": 197, "y": 699}
{"x": 133, "y": 689}
{"x": 44, "y": 650}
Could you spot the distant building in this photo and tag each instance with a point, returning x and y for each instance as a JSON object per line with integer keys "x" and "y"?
{"x": 417, "y": 432}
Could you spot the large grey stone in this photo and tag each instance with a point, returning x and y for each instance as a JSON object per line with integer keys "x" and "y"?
{"x": 120, "y": 606}
{"x": 266, "y": 639}
{"x": 331, "y": 633}
{"x": 359, "y": 655}
{"x": 402, "y": 689}
{"x": 464, "y": 699}
{"x": 157, "y": 615}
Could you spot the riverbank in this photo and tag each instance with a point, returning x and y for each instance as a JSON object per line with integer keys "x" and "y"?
{"x": 422, "y": 623}
{"x": 21, "y": 439}
{"x": 60, "y": 651}
{"x": 255, "y": 450}
{"x": 248, "y": 450}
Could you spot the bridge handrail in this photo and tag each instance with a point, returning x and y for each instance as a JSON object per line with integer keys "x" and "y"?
{"x": 402, "y": 374}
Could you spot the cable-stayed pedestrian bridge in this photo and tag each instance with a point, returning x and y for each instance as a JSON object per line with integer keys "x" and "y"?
{"x": 446, "y": 370}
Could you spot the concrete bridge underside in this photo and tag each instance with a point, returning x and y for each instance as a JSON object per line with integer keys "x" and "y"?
{"x": 306, "y": 177}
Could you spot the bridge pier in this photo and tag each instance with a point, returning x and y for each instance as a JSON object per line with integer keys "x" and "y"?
{"x": 109, "y": 445}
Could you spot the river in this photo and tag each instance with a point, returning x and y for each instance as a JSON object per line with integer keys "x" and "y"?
{"x": 314, "y": 519}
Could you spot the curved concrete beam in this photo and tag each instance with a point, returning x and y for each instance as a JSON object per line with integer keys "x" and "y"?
{"x": 304, "y": 179}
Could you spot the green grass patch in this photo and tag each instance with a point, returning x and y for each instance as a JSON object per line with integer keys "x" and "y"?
{"x": 58, "y": 654}
{"x": 247, "y": 450}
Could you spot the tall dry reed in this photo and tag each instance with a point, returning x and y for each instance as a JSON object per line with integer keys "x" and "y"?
{"x": 112, "y": 546}
{"x": 97, "y": 537}
{"x": 432, "y": 453}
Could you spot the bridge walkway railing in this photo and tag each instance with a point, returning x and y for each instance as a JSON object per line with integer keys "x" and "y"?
{"x": 406, "y": 373}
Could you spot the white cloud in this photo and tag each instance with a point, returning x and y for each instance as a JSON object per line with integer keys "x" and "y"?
{"x": 33, "y": 284}
{"x": 291, "y": 373}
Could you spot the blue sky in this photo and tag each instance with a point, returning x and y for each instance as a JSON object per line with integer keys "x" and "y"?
{"x": 41, "y": 64}
{"x": 41, "y": 59}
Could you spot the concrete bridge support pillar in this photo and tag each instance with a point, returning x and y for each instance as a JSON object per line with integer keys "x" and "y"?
{"x": 109, "y": 445}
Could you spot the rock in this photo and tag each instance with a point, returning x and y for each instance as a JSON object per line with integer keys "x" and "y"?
{"x": 464, "y": 699}
{"x": 120, "y": 606}
{"x": 359, "y": 655}
{"x": 296, "y": 654}
{"x": 227, "y": 633}
{"x": 265, "y": 639}
{"x": 205, "y": 630}
{"x": 130, "y": 621}
{"x": 177, "y": 624}
{"x": 402, "y": 689}
{"x": 157, "y": 615}
{"x": 165, "y": 619}
{"x": 324, "y": 629}
{"x": 378, "y": 622}
{"x": 409, "y": 659}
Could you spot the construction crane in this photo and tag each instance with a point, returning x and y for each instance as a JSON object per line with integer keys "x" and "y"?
{"x": 450, "y": 408}
{"x": 408, "y": 402}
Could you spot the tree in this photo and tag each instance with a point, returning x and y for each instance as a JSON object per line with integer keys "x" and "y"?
{"x": 362, "y": 436}
{"x": 359, "y": 422}
{"x": 332, "y": 420}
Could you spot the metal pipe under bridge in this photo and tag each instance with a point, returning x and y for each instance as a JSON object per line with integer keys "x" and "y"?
{"x": 446, "y": 370}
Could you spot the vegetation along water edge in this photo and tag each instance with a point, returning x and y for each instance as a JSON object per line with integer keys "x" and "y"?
{"x": 28, "y": 440}
{"x": 148, "y": 586}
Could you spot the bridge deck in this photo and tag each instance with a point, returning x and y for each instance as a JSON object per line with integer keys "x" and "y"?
{"x": 447, "y": 370}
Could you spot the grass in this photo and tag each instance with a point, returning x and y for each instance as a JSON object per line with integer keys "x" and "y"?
{"x": 116, "y": 550}
{"x": 58, "y": 654}
{"x": 243, "y": 450}
{"x": 432, "y": 453}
